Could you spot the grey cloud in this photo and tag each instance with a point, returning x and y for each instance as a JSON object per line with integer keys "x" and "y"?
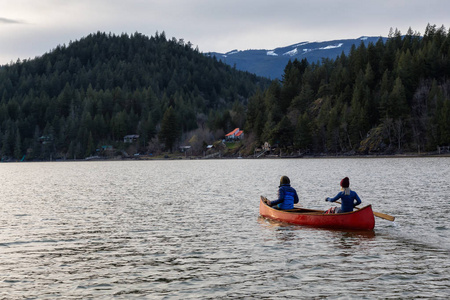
{"x": 213, "y": 26}
{"x": 9, "y": 21}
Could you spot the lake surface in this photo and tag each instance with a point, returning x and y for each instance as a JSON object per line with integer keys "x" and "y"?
{"x": 191, "y": 230}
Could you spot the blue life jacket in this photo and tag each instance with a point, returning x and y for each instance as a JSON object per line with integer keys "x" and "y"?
{"x": 287, "y": 196}
{"x": 348, "y": 201}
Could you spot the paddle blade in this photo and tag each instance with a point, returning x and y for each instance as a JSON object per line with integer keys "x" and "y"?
{"x": 384, "y": 216}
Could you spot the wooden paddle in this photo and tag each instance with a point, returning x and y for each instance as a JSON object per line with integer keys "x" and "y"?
{"x": 377, "y": 214}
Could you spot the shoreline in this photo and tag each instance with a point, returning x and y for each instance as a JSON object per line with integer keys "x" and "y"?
{"x": 182, "y": 157}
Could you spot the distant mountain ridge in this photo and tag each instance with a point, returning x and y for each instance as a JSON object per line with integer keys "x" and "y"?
{"x": 271, "y": 63}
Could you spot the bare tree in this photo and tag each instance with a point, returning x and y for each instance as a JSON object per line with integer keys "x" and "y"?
{"x": 399, "y": 132}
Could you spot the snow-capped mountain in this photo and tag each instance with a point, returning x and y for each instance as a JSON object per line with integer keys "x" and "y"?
{"x": 271, "y": 63}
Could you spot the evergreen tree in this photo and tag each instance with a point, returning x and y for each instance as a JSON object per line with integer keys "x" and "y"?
{"x": 303, "y": 138}
{"x": 18, "y": 147}
{"x": 256, "y": 112}
{"x": 170, "y": 130}
{"x": 90, "y": 147}
{"x": 398, "y": 106}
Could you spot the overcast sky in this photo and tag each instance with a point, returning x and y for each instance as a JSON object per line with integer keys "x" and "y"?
{"x": 30, "y": 28}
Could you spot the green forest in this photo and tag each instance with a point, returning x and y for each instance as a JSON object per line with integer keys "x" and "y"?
{"x": 384, "y": 98}
{"x": 82, "y": 99}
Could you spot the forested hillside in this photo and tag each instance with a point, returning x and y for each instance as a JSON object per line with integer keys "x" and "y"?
{"x": 387, "y": 97}
{"x": 84, "y": 97}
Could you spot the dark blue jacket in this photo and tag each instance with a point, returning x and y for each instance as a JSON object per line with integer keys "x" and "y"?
{"x": 287, "y": 196}
{"x": 348, "y": 201}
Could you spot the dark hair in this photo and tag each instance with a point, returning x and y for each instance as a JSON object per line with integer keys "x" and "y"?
{"x": 284, "y": 180}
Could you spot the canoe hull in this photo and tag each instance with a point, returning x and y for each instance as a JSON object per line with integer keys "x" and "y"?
{"x": 362, "y": 219}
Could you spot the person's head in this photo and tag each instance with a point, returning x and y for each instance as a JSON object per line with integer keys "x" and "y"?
{"x": 284, "y": 180}
{"x": 345, "y": 183}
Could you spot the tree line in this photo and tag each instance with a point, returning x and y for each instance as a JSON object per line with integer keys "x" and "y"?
{"x": 86, "y": 96}
{"x": 81, "y": 99}
{"x": 387, "y": 97}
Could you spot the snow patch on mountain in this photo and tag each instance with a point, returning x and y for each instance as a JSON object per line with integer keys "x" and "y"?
{"x": 332, "y": 46}
{"x": 299, "y": 45}
{"x": 307, "y": 50}
{"x": 271, "y": 53}
{"x": 232, "y": 52}
{"x": 292, "y": 52}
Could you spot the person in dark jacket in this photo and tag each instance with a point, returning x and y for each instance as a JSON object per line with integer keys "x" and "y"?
{"x": 349, "y": 198}
{"x": 287, "y": 195}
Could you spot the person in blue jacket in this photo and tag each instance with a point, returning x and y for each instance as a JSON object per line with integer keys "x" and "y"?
{"x": 349, "y": 198}
{"x": 287, "y": 195}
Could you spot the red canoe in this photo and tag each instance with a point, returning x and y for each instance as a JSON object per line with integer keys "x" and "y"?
{"x": 362, "y": 219}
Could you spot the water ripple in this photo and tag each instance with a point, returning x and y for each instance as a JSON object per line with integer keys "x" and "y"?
{"x": 191, "y": 229}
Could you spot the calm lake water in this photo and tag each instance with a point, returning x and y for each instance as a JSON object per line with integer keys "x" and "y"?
{"x": 191, "y": 230}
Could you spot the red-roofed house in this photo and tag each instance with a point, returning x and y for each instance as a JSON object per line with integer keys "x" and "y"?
{"x": 236, "y": 134}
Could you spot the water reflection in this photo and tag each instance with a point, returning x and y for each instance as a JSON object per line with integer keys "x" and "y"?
{"x": 344, "y": 232}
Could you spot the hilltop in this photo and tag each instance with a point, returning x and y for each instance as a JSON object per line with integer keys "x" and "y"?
{"x": 84, "y": 97}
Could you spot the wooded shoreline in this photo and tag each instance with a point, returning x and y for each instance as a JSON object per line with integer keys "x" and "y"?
{"x": 177, "y": 156}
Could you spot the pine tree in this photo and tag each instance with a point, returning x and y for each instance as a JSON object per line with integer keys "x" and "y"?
{"x": 17, "y": 146}
{"x": 255, "y": 116}
{"x": 170, "y": 130}
{"x": 444, "y": 122}
{"x": 398, "y": 106}
{"x": 90, "y": 147}
{"x": 303, "y": 138}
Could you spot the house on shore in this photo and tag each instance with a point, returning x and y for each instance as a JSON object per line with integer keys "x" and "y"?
{"x": 130, "y": 138}
{"x": 185, "y": 148}
{"x": 235, "y": 135}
